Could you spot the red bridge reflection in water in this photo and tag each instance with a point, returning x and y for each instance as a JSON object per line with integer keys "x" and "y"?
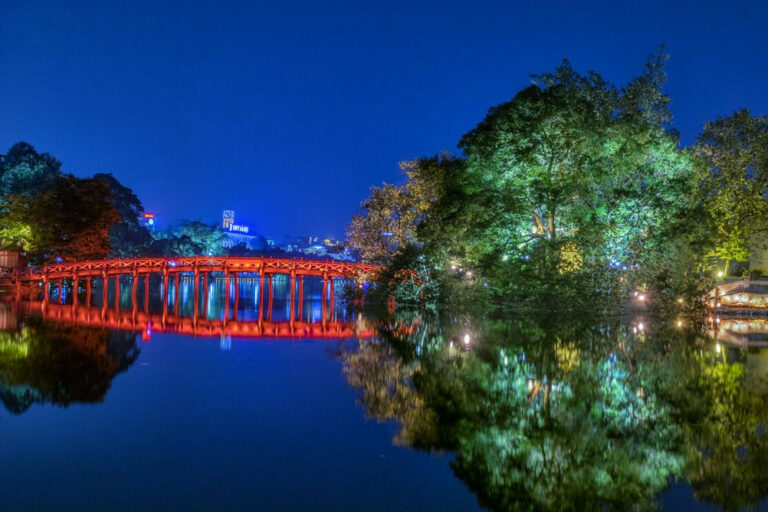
{"x": 147, "y": 323}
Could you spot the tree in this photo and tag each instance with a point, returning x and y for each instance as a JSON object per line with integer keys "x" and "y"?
{"x": 391, "y": 214}
{"x": 25, "y": 171}
{"x": 386, "y": 226}
{"x": 127, "y": 237}
{"x": 577, "y": 163}
{"x": 70, "y": 220}
{"x": 190, "y": 239}
{"x": 734, "y": 183}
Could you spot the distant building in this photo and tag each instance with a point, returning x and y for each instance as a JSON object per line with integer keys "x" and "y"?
{"x": 227, "y": 219}
{"x": 148, "y": 220}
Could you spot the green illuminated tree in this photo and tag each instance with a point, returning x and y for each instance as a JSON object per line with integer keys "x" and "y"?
{"x": 575, "y": 164}
{"x": 734, "y": 181}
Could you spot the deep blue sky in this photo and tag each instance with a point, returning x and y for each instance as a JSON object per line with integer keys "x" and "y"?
{"x": 289, "y": 111}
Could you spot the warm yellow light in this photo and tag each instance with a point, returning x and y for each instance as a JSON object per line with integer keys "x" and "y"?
{"x": 466, "y": 339}
{"x": 717, "y": 348}
{"x": 720, "y": 273}
{"x": 679, "y": 323}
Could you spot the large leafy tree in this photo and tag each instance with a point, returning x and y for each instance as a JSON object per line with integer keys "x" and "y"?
{"x": 70, "y": 220}
{"x": 575, "y": 171}
{"x": 734, "y": 181}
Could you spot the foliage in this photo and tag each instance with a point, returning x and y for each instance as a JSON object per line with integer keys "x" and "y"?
{"x": 734, "y": 180}
{"x": 69, "y": 220}
{"x": 190, "y": 239}
{"x": 25, "y": 171}
{"x": 127, "y": 237}
{"x": 391, "y": 214}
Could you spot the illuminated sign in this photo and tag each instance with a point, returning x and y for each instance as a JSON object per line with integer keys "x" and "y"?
{"x": 237, "y": 228}
{"x": 149, "y": 215}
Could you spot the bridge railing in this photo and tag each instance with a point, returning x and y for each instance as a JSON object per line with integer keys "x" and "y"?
{"x": 199, "y": 263}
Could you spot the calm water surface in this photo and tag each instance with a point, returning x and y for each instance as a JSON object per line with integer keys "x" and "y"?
{"x": 457, "y": 414}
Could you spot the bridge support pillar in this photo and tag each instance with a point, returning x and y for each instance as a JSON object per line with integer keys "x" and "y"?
{"x": 117, "y": 292}
{"x": 205, "y": 294}
{"x": 332, "y": 296}
{"x": 88, "y": 284}
{"x": 134, "y": 285}
{"x": 104, "y": 289}
{"x": 261, "y": 295}
{"x": 197, "y": 297}
{"x": 176, "y": 278}
{"x": 226, "y": 296}
{"x": 271, "y": 293}
{"x": 146, "y": 292}
{"x": 165, "y": 288}
{"x": 237, "y": 297}
{"x": 301, "y": 297}
{"x": 293, "y": 296}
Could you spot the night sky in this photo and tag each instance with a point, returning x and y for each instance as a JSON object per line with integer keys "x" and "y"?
{"x": 288, "y": 112}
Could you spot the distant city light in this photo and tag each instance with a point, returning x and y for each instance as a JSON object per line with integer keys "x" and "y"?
{"x": 238, "y": 228}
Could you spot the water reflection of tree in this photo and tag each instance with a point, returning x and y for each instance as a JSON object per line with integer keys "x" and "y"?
{"x": 61, "y": 364}
{"x": 727, "y": 426}
{"x": 569, "y": 413}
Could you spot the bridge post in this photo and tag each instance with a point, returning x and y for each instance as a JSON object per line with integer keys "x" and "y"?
{"x": 205, "y": 294}
{"x": 146, "y": 292}
{"x": 271, "y": 293}
{"x": 165, "y": 293}
{"x": 293, "y": 295}
{"x": 176, "y": 277}
{"x": 237, "y": 297}
{"x": 165, "y": 285}
{"x": 104, "y": 288}
{"x": 46, "y": 287}
{"x": 88, "y": 290}
{"x": 332, "y": 296}
{"x": 301, "y": 297}
{"x": 226, "y": 295}
{"x": 117, "y": 292}
{"x": 261, "y": 293}
{"x": 324, "y": 297}
{"x": 134, "y": 285}
{"x": 197, "y": 289}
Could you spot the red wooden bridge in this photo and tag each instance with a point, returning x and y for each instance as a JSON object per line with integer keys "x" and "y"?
{"x": 72, "y": 273}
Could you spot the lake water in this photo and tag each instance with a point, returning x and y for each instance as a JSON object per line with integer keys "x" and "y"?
{"x": 407, "y": 413}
